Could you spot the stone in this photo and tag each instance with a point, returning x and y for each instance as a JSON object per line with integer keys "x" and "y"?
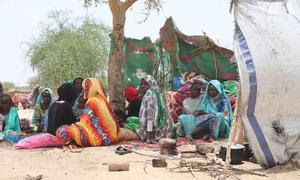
{"x": 189, "y": 155}
{"x": 187, "y": 148}
{"x": 211, "y": 156}
{"x": 118, "y": 167}
{"x": 169, "y": 152}
{"x": 167, "y": 143}
{"x": 205, "y": 148}
{"x": 159, "y": 163}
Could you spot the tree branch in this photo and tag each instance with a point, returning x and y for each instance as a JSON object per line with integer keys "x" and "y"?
{"x": 129, "y": 3}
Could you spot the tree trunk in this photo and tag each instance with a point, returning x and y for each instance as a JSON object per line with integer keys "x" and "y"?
{"x": 115, "y": 74}
{"x": 115, "y": 64}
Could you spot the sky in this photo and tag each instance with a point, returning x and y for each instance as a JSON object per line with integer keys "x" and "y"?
{"x": 21, "y": 23}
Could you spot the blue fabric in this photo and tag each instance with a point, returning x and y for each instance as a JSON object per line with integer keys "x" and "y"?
{"x": 177, "y": 82}
{"x": 12, "y": 122}
{"x": 190, "y": 122}
{"x": 216, "y": 119}
{"x": 248, "y": 60}
{"x": 208, "y": 103}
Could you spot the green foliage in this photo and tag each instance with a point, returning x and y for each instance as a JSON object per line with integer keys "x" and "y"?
{"x": 33, "y": 82}
{"x": 8, "y": 86}
{"x": 67, "y": 48}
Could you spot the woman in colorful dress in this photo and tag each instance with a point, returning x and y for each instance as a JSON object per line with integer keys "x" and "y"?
{"x": 97, "y": 125}
{"x": 214, "y": 114}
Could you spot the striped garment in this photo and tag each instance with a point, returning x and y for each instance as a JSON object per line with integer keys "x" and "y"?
{"x": 97, "y": 125}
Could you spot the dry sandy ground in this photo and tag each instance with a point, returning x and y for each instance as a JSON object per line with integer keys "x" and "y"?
{"x": 91, "y": 163}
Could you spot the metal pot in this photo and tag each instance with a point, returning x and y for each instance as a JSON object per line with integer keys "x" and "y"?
{"x": 237, "y": 153}
{"x": 248, "y": 152}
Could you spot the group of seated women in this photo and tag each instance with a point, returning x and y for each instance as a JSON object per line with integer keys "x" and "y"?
{"x": 83, "y": 115}
{"x": 48, "y": 114}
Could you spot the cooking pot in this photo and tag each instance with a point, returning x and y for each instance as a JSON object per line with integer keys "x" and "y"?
{"x": 237, "y": 153}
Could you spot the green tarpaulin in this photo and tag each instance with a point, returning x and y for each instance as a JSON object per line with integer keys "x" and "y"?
{"x": 175, "y": 53}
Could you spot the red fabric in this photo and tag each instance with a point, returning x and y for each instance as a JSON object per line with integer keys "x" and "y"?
{"x": 202, "y": 85}
{"x": 23, "y": 98}
{"x": 131, "y": 93}
{"x": 174, "y": 103}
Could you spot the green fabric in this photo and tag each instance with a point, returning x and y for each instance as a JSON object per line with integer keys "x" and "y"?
{"x": 172, "y": 54}
{"x": 197, "y": 54}
{"x": 231, "y": 86}
{"x": 70, "y": 81}
{"x": 161, "y": 119}
{"x": 132, "y": 123}
{"x": 38, "y": 114}
{"x": 12, "y": 122}
{"x": 138, "y": 54}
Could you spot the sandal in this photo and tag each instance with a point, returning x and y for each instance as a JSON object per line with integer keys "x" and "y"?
{"x": 122, "y": 150}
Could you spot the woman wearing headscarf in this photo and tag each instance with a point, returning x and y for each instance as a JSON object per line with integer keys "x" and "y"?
{"x": 44, "y": 101}
{"x": 77, "y": 83}
{"x": 133, "y": 108}
{"x": 60, "y": 111}
{"x": 153, "y": 115}
{"x": 134, "y": 101}
{"x": 10, "y": 121}
{"x": 214, "y": 114}
{"x": 191, "y": 104}
{"x": 79, "y": 103}
{"x": 97, "y": 125}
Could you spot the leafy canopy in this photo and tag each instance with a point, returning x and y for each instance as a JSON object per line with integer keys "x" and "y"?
{"x": 8, "y": 86}
{"x": 67, "y": 48}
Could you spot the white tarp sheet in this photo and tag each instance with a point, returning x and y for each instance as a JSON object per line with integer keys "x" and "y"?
{"x": 267, "y": 46}
{"x": 293, "y": 7}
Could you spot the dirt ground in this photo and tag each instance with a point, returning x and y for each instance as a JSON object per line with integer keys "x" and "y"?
{"x": 91, "y": 163}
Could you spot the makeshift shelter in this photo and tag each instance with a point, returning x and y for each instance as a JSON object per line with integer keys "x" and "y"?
{"x": 196, "y": 54}
{"x": 175, "y": 53}
{"x": 267, "y": 41}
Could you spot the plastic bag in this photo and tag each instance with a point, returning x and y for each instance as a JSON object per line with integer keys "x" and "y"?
{"x": 39, "y": 141}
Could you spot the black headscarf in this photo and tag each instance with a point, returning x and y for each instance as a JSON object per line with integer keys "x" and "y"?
{"x": 66, "y": 92}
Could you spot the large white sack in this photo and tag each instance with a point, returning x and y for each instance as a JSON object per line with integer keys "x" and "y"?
{"x": 267, "y": 46}
{"x": 293, "y": 7}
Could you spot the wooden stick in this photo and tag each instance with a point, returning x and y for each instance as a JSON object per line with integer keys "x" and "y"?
{"x": 250, "y": 172}
{"x": 192, "y": 171}
{"x": 240, "y": 137}
{"x": 233, "y": 130}
{"x": 153, "y": 156}
{"x": 145, "y": 166}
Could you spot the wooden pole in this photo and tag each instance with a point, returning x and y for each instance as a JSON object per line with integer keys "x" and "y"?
{"x": 233, "y": 132}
